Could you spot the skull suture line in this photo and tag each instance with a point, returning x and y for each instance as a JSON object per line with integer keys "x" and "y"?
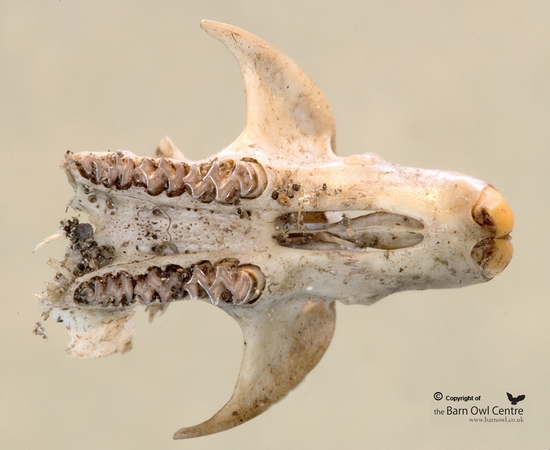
{"x": 323, "y": 228}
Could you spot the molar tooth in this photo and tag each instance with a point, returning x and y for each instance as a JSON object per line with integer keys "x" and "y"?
{"x": 84, "y": 294}
{"x": 142, "y": 172}
{"x": 119, "y": 289}
{"x": 113, "y": 290}
{"x": 100, "y": 170}
{"x": 257, "y": 284}
{"x": 99, "y": 296}
{"x": 236, "y": 282}
{"x": 111, "y": 170}
{"x": 82, "y": 162}
{"x": 202, "y": 187}
{"x": 223, "y": 283}
{"x": 147, "y": 176}
{"x": 251, "y": 177}
{"x": 201, "y": 281}
{"x": 177, "y": 281}
{"x": 143, "y": 290}
{"x": 159, "y": 283}
{"x": 223, "y": 181}
{"x": 85, "y": 164}
{"x": 176, "y": 184}
{"x": 127, "y": 287}
{"x": 162, "y": 176}
{"x": 125, "y": 170}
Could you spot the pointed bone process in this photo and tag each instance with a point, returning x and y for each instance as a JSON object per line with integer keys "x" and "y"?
{"x": 280, "y": 349}
{"x": 273, "y": 229}
{"x": 286, "y": 112}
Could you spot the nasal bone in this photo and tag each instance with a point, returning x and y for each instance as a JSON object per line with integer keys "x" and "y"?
{"x": 493, "y": 213}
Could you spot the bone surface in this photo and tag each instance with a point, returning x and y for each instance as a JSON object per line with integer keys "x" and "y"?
{"x": 274, "y": 229}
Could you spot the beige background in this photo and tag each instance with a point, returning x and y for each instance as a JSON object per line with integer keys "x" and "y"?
{"x": 457, "y": 85}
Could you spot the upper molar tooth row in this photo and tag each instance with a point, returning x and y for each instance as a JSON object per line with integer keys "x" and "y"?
{"x": 225, "y": 181}
{"x": 226, "y": 282}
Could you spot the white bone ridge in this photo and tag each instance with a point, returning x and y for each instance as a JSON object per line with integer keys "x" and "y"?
{"x": 283, "y": 225}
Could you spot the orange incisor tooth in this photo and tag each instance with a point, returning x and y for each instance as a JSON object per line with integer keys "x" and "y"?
{"x": 493, "y": 213}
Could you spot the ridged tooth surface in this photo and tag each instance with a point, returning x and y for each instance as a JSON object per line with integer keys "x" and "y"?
{"x": 226, "y": 282}
{"x": 224, "y": 181}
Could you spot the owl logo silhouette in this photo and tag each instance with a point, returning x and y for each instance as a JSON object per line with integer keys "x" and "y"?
{"x": 515, "y": 400}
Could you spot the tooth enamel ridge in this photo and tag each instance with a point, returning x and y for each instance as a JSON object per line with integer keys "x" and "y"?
{"x": 226, "y": 282}
{"x": 220, "y": 180}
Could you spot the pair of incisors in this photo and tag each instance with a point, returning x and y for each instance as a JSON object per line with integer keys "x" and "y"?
{"x": 317, "y": 228}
